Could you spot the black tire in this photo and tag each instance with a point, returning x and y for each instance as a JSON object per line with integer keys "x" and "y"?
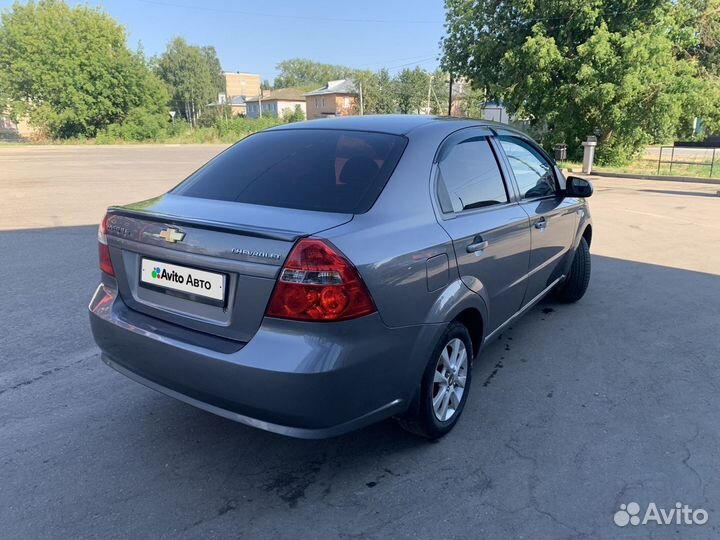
{"x": 421, "y": 418}
{"x": 574, "y": 287}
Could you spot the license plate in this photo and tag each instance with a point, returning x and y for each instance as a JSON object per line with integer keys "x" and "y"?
{"x": 183, "y": 279}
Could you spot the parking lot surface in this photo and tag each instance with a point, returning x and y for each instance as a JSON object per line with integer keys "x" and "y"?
{"x": 574, "y": 411}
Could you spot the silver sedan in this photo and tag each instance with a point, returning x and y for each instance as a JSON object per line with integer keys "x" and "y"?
{"x": 320, "y": 276}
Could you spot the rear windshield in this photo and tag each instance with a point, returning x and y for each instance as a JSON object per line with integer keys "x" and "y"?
{"x": 306, "y": 169}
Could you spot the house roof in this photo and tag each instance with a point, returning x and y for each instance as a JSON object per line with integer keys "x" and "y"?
{"x": 233, "y": 100}
{"x": 343, "y": 86}
{"x": 281, "y": 94}
{"x": 241, "y": 73}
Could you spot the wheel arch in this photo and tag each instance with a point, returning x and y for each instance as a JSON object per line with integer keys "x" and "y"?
{"x": 472, "y": 319}
{"x": 587, "y": 234}
{"x": 460, "y": 303}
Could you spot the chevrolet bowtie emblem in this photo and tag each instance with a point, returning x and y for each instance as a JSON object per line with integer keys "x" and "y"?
{"x": 171, "y": 235}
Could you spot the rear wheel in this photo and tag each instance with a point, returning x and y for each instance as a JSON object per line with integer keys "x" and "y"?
{"x": 575, "y": 285}
{"x": 445, "y": 385}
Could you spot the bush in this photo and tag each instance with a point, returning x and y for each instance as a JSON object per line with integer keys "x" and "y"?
{"x": 177, "y": 128}
{"x": 142, "y": 126}
{"x": 139, "y": 125}
{"x": 622, "y": 150}
{"x": 293, "y": 116}
{"x": 211, "y": 116}
{"x": 236, "y": 128}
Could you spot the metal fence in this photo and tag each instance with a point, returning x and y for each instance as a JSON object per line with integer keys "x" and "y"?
{"x": 694, "y": 159}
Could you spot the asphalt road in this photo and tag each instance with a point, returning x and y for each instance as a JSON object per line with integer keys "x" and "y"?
{"x": 574, "y": 411}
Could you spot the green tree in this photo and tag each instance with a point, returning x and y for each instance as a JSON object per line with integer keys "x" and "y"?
{"x": 69, "y": 70}
{"x": 296, "y": 115}
{"x": 193, "y": 76}
{"x": 411, "y": 88}
{"x": 440, "y": 85}
{"x": 216, "y": 72}
{"x": 385, "y": 102}
{"x": 303, "y": 72}
{"x": 378, "y": 91}
{"x": 704, "y": 17}
{"x": 367, "y": 82}
{"x": 626, "y": 71}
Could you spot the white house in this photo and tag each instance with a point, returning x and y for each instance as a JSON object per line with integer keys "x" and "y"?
{"x": 275, "y": 103}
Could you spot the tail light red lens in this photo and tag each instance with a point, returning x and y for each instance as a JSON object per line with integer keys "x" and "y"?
{"x": 317, "y": 283}
{"x": 103, "y": 250}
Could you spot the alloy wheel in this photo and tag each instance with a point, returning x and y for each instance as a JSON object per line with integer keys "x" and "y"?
{"x": 449, "y": 380}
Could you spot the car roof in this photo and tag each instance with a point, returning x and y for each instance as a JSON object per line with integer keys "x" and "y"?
{"x": 396, "y": 124}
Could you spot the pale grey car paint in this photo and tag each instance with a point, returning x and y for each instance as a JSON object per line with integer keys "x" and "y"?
{"x": 321, "y": 379}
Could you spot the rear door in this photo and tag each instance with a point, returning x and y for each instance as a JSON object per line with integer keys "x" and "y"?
{"x": 553, "y": 219}
{"x": 490, "y": 232}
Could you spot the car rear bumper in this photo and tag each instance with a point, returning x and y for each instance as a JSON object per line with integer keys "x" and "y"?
{"x": 306, "y": 380}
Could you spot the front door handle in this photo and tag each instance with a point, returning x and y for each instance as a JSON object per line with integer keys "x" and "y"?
{"x": 478, "y": 245}
{"x": 541, "y": 224}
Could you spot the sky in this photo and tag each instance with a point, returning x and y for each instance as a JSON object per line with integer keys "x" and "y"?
{"x": 254, "y": 36}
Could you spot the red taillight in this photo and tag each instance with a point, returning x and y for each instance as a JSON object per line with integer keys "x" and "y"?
{"x": 318, "y": 284}
{"x": 103, "y": 250}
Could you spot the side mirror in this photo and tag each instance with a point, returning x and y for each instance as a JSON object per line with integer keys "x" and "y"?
{"x": 578, "y": 187}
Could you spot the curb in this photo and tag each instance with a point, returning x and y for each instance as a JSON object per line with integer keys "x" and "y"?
{"x": 686, "y": 179}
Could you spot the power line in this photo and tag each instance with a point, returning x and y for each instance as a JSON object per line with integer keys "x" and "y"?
{"x": 527, "y": 19}
{"x": 602, "y": 14}
{"x": 412, "y": 58}
{"x": 286, "y": 16}
{"x": 416, "y": 63}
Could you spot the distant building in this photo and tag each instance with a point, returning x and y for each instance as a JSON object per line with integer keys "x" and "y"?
{"x": 461, "y": 89}
{"x": 16, "y": 131}
{"x": 496, "y": 112}
{"x": 337, "y": 98}
{"x": 276, "y": 103}
{"x": 462, "y": 95}
{"x": 241, "y": 84}
{"x": 239, "y": 87}
{"x": 237, "y": 106}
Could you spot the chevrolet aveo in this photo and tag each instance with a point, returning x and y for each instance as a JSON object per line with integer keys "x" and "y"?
{"x": 320, "y": 276}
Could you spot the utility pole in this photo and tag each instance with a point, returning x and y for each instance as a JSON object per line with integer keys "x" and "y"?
{"x": 450, "y": 96}
{"x": 429, "y": 90}
{"x": 260, "y": 101}
{"x": 362, "y": 105}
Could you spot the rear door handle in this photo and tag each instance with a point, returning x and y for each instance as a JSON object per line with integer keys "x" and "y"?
{"x": 478, "y": 245}
{"x": 541, "y": 224}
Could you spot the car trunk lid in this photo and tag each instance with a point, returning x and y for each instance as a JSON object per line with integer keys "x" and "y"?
{"x": 162, "y": 247}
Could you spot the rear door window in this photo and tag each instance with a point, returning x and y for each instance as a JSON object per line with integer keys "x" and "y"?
{"x": 305, "y": 169}
{"x": 469, "y": 177}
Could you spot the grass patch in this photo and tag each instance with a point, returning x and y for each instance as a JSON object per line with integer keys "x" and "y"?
{"x": 692, "y": 168}
{"x": 221, "y": 132}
